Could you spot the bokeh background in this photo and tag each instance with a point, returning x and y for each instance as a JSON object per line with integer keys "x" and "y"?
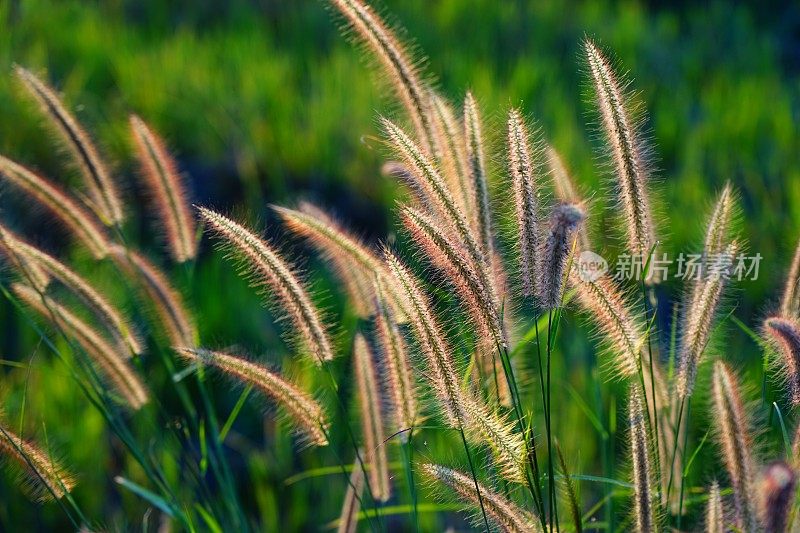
{"x": 265, "y": 102}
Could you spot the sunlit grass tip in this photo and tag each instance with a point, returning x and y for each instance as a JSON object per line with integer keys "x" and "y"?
{"x": 785, "y": 336}
{"x": 644, "y": 498}
{"x": 554, "y": 253}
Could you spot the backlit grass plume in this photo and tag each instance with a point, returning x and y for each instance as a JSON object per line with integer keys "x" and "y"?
{"x": 554, "y": 252}
{"x": 351, "y": 505}
{"x": 441, "y": 250}
{"x": 627, "y": 150}
{"x": 268, "y": 269}
{"x": 307, "y": 415}
{"x": 164, "y": 183}
{"x": 785, "y": 335}
{"x": 476, "y": 168}
{"x": 567, "y": 191}
{"x": 520, "y": 162}
{"x": 103, "y": 195}
{"x": 396, "y": 62}
{"x": 790, "y": 300}
{"x": 776, "y": 491}
{"x": 620, "y": 329}
{"x": 165, "y": 300}
{"x": 75, "y": 218}
{"x": 733, "y": 431}
{"x": 112, "y": 319}
{"x": 715, "y": 511}
{"x": 399, "y": 376}
{"x": 43, "y": 477}
{"x": 644, "y": 500}
{"x": 504, "y": 514}
{"x": 371, "y": 408}
{"x": 452, "y": 157}
{"x": 109, "y": 359}
{"x": 699, "y": 319}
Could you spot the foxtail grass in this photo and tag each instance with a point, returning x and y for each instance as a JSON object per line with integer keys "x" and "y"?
{"x": 567, "y": 191}
{"x": 452, "y": 157}
{"x": 715, "y": 511}
{"x": 733, "y": 431}
{"x": 43, "y": 478}
{"x": 351, "y": 505}
{"x": 504, "y": 514}
{"x": 790, "y": 300}
{"x": 112, "y": 364}
{"x": 554, "y": 252}
{"x": 307, "y": 415}
{"x": 776, "y": 492}
{"x": 644, "y": 504}
{"x": 267, "y": 269}
{"x": 477, "y": 172}
{"x": 80, "y": 223}
{"x": 627, "y": 148}
{"x": 103, "y": 194}
{"x": 161, "y": 176}
{"x": 785, "y": 334}
{"x": 372, "y": 418}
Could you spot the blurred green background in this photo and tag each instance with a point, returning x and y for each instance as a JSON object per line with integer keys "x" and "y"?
{"x": 265, "y": 102}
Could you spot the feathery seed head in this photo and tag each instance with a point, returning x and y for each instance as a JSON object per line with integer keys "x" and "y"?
{"x": 785, "y": 334}
{"x": 269, "y": 269}
{"x": 715, "y": 512}
{"x": 348, "y": 519}
{"x": 477, "y": 175}
{"x": 554, "y": 253}
{"x": 305, "y": 412}
{"x": 567, "y": 192}
{"x": 776, "y": 495}
{"x": 643, "y": 477}
{"x": 161, "y": 175}
{"x": 102, "y": 190}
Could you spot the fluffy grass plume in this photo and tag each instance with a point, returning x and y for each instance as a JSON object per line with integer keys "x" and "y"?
{"x": 441, "y": 251}
{"x": 351, "y": 505}
{"x": 371, "y": 407}
{"x": 785, "y": 334}
{"x": 733, "y": 432}
{"x": 478, "y": 176}
{"x": 167, "y": 302}
{"x": 567, "y": 191}
{"x": 43, "y": 478}
{"x": 164, "y": 182}
{"x": 452, "y": 156}
{"x": 699, "y": 319}
{"x": 103, "y": 195}
{"x": 440, "y": 369}
{"x": 554, "y": 251}
{"x": 307, "y": 415}
{"x": 715, "y": 512}
{"x": 644, "y": 500}
{"x": 352, "y": 260}
{"x": 621, "y": 331}
{"x": 267, "y": 268}
{"x": 31, "y": 272}
{"x": 776, "y": 492}
{"x": 627, "y": 150}
{"x": 399, "y": 376}
{"x": 108, "y": 359}
{"x": 75, "y": 218}
{"x": 504, "y": 514}
{"x": 520, "y": 162}
{"x": 790, "y": 300}
{"x": 396, "y": 62}
{"x": 112, "y": 319}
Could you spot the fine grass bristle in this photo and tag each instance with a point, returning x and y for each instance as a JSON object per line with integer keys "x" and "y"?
{"x": 453, "y": 157}
{"x": 645, "y": 516}
{"x": 396, "y": 63}
{"x": 790, "y": 300}
{"x": 447, "y": 255}
{"x": 31, "y": 272}
{"x": 715, "y": 512}
{"x": 372, "y": 420}
{"x": 43, "y": 478}
{"x": 785, "y": 334}
{"x": 307, "y": 415}
{"x": 620, "y": 330}
{"x": 733, "y": 431}
{"x": 699, "y": 319}
{"x": 627, "y": 151}
{"x": 520, "y": 162}
{"x": 477, "y": 174}
{"x": 166, "y": 301}
{"x": 554, "y": 252}
{"x": 440, "y": 367}
{"x": 111, "y": 318}
{"x": 268, "y": 269}
{"x": 79, "y": 222}
{"x": 351, "y": 505}
{"x": 108, "y": 359}
{"x": 776, "y": 492}
{"x": 504, "y": 514}
{"x": 164, "y": 183}
{"x": 104, "y": 198}
{"x": 567, "y": 192}
{"x": 403, "y": 397}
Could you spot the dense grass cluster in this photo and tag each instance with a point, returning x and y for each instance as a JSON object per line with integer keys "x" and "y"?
{"x": 439, "y": 392}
